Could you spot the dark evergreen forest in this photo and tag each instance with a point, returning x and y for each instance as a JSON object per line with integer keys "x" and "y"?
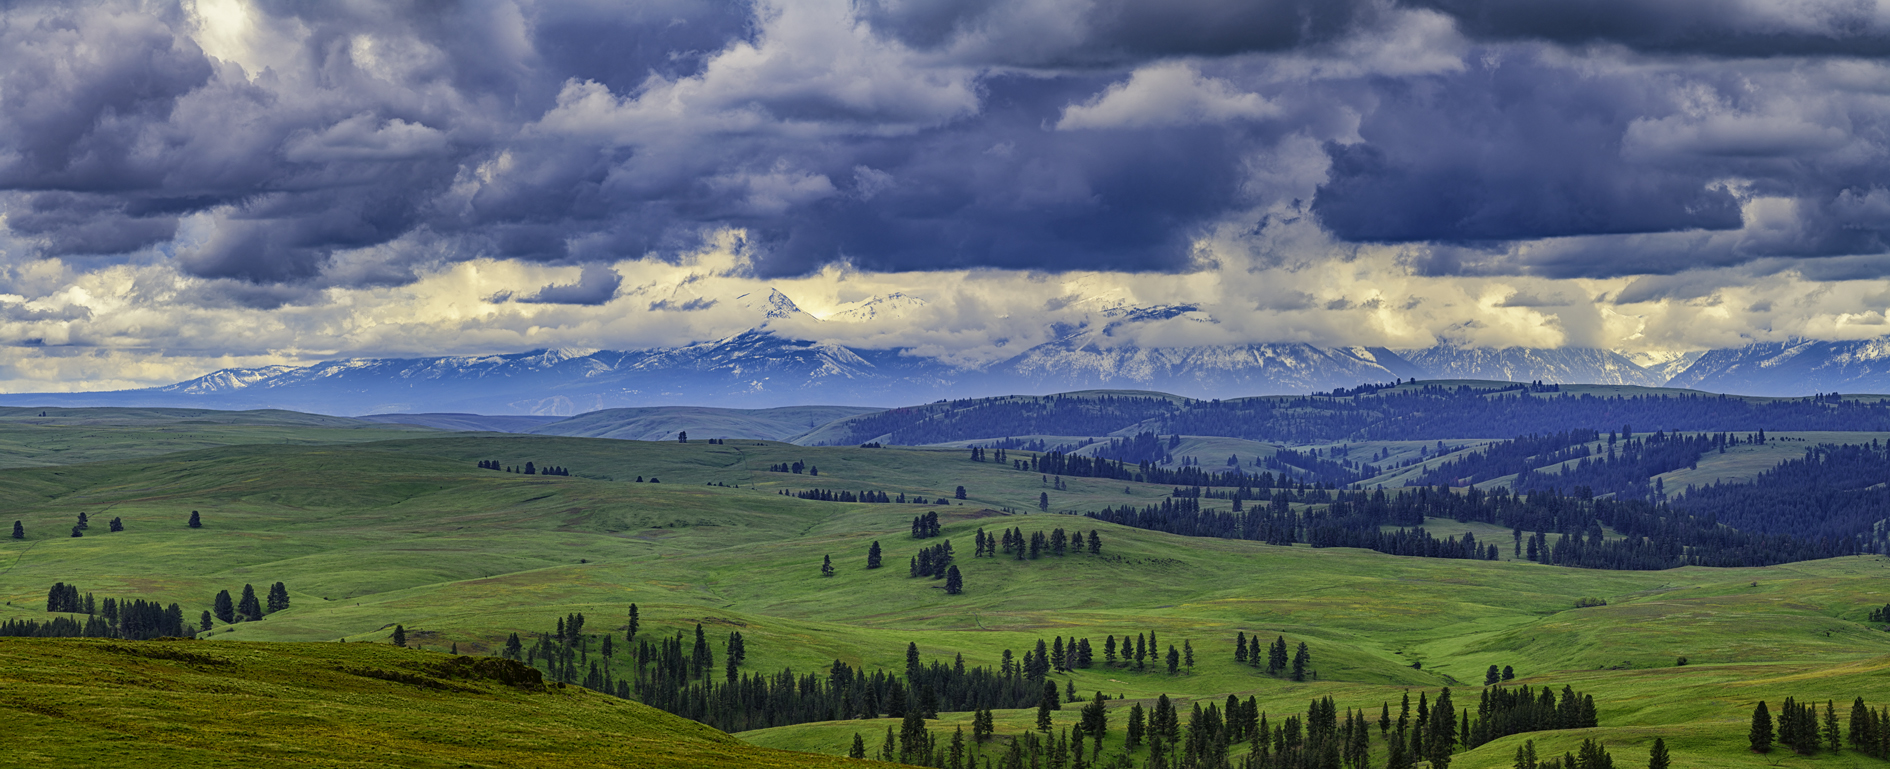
{"x": 1429, "y": 412}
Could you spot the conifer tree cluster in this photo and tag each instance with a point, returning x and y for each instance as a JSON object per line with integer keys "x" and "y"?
{"x": 1014, "y": 543}
{"x": 925, "y": 526}
{"x": 248, "y": 608}
{"x": 1800, "y": 727}
{"x": 1869, "y": 730}
{"x": 530, "y": 468}
{"x": 996, "y": 455}
{"x": 129, "y": 619}
{"x": 1278, "y": 658}
{"x": 1591, "y": 755}
{"x": 932, "y": 561}
{"x": 1876, "y": 615}
{"x": 867, "y": 496}
{"x": 796, "y": 468}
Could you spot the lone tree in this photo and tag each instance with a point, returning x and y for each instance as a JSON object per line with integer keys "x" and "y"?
{"x": 76, "y": 532}
{"x": 1761, "y": 732}
{"x": 826, "y": 566}
{"x": 19, "y": 532}
{"x": 195, "y": 522}
{"x": 1043, "y": 501}
{"x": 205, "y": 622}
{"x": 400, "y": 636}
{"x": 634, "y": 622}
{"x": 954, "y": 583}
{"x": 682, "y": 437}
{"x": 1301, "y": 658}
{"x": 961, "y": 492}
{"x": 872, "y": 555}
{"x": 118, "y": 524}
{"x": 1657, "y": 757}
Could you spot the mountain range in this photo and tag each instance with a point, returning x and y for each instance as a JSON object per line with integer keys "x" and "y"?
{"x": 766, "y": 367}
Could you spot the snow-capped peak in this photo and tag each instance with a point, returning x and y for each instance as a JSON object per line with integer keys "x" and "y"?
{"x": 889, "y": 307}
{"x": 228, "y": 379}
{"x": 776, "y": 306}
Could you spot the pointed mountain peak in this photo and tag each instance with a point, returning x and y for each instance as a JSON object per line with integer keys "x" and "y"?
{"x": 774, "y": 306}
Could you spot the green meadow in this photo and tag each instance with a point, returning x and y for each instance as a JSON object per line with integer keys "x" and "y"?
{"x": 405, "y": 529}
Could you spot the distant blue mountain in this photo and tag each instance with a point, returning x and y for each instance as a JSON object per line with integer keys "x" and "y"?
{"x": 761, "y": 368}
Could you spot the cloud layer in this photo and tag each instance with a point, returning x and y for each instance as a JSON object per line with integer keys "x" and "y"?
{"x": 197, "y": 183}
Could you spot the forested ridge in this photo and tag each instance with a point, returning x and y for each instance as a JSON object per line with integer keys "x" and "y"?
{"x": 1422, "y": 412}
{"x": 1652, "y": 536}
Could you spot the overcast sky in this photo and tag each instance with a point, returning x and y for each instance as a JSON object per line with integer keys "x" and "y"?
{"x": 185, "y": 187}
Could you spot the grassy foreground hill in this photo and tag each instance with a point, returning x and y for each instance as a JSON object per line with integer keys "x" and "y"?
{"x": 99, "y": 703}
{"x": 368, "y": 535}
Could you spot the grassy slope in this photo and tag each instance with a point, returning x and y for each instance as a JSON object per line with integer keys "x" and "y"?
{"x": 72, "y": 436}
{"x": 208, "y": 704}
{"x": 408, "y": 531}
{"x": 662, "y": 423}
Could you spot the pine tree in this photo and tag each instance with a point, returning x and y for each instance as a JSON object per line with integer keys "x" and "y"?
{"x": 1187, "y": 654}
{"x": 1277, "y": 657}
{"x": 1043, "y": 503}
{"x": 1761, "y": 733}
{"x": 858, "y": 751}
{"x": 1045, "y": 705}
{"x": 117, "y": 524}
{"x": 195, "y": 522}
{"x": 1301, "y": 659}
{"x": 225, "y": 608}
{"x": 248, "y": 606}
{"x": 19, "y": 531}
{"x": 631, "y": 634}
{"x": 278, "y": 598}
{"x": 954, "y": 582}
{"x": 1174, "y": 660}
{"x": 1135, "y": 728}
{"x": 961, "y": 492}
{"x": 872, "y": 555}
{"x": 1832, "y": 738}
{"x": 205, "y": 622}
{"x": 400, "y": 636}
{"x": 1492, "y": 676}
{"x": 1657, "y": 757}
{"x": 826, "y": 566}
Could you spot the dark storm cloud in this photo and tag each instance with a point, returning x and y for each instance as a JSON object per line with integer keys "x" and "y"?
{"x": 1508, "y": 152}
{"x": 1111, "y": 32}
{"x": 907, "y": 137}
{"x": 596, "y": 285}
{"x": 1716, "y": 27}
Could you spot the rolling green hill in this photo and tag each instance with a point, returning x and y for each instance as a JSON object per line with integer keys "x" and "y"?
{"x": 101, "y": 703}
{"x": 787, "y": 423}
{"x": 369, "y": 535}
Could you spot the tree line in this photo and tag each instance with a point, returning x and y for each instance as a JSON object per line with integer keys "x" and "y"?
{"x": 1014, "y": 543}
{"x": 1652, "y": 536}
{"x": 530, "y": 468}
{"x": 133, "y": 619}
{"x": 868, "y": 496}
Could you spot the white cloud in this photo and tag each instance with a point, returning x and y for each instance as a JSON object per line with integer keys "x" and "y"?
{"x": 1166, "y": 94}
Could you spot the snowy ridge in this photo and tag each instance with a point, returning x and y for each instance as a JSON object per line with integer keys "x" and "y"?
{"x": 768, "y": 365}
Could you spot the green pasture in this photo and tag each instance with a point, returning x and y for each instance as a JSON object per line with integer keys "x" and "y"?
{"x": 367, "y": 535}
